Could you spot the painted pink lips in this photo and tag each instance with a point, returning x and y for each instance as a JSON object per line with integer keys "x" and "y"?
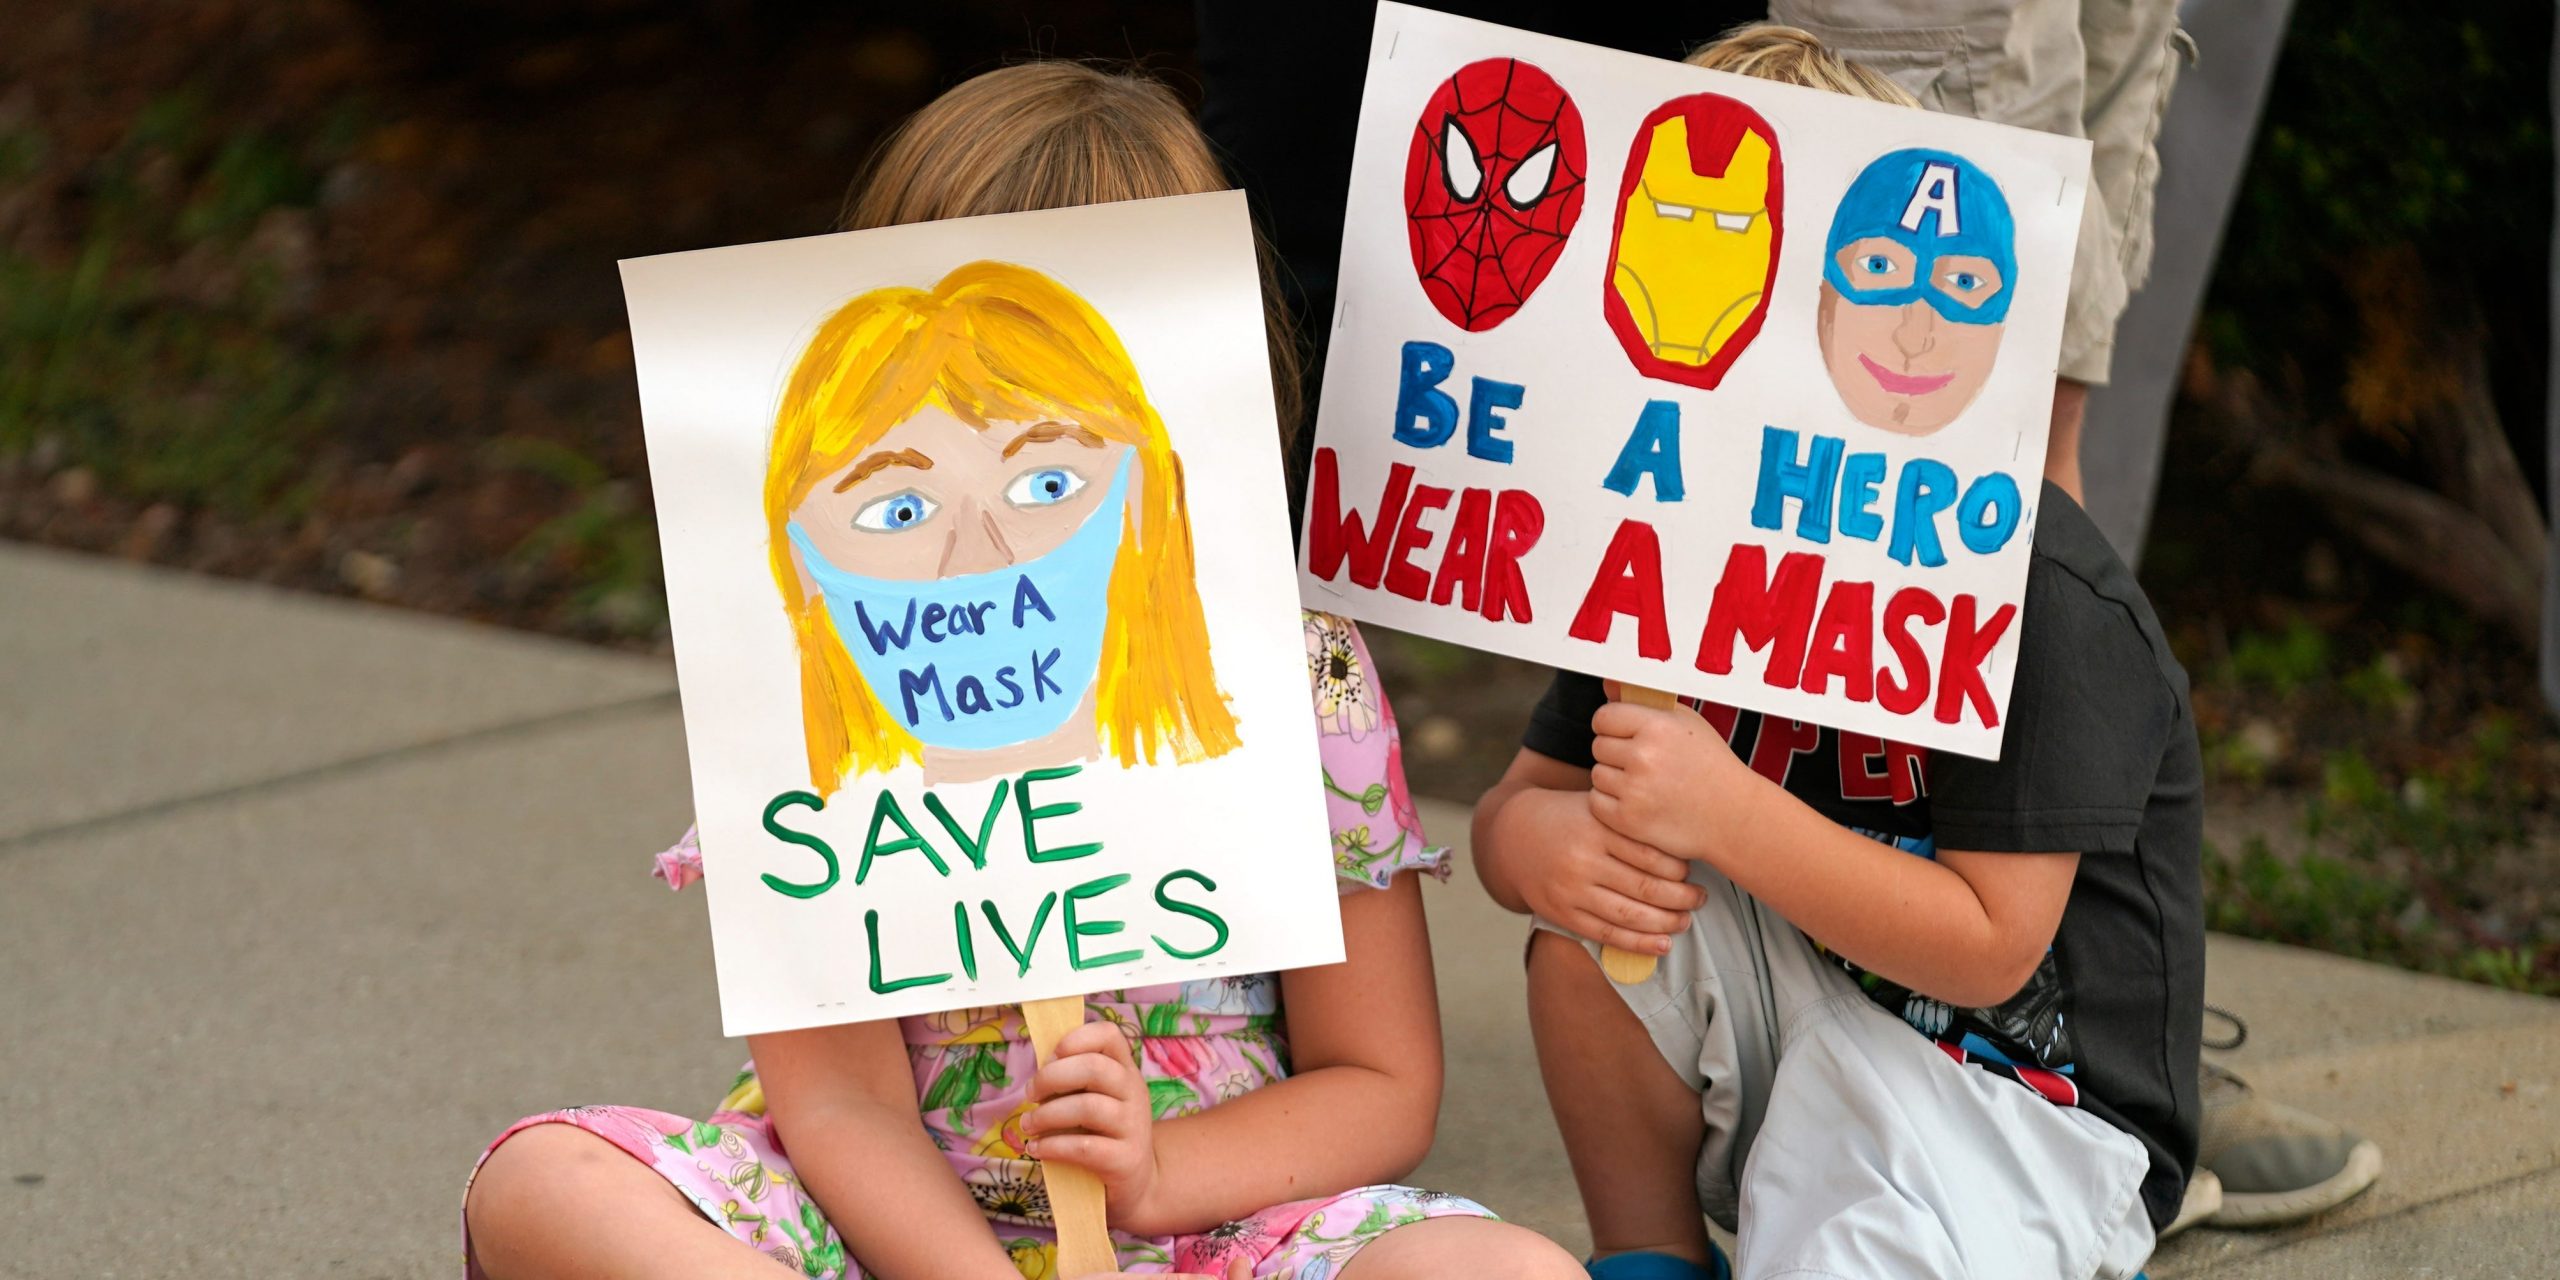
{"x": 1903, "y": 384}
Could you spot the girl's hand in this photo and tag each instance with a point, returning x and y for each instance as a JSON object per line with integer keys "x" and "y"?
{"x": 1595, "y": 882}
{"x": 1665, "y": 779}
{"x": 1091, "y": 1109}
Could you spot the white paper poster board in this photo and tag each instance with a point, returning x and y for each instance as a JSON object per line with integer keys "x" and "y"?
{"x": 978, "y": 570}
{"x": 1706, "y": 383}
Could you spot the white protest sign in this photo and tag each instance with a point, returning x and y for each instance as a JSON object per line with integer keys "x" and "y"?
{"x": 1709, "y": 384}
{"x": 984, "y": 704}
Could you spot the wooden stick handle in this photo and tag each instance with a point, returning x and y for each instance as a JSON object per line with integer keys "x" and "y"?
{"x": 1075, "y": 1196}
{"x": 1626, "y": 968}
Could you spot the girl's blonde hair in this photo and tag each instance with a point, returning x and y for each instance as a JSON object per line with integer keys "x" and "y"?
{"x": 1046, "y": 135}
{"x": 1791, "y": 55}
{"x": 994, "y": 342}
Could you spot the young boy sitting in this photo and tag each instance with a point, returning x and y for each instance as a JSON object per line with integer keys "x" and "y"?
{"x": 1916, "y": 1014}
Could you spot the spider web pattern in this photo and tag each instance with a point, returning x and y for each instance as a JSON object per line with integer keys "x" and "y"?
{"x": 1479, "y": 257}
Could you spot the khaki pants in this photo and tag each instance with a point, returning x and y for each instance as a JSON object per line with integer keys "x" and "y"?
{"x": 2095, "y": 69}
{"x": 1841, "y": 1143}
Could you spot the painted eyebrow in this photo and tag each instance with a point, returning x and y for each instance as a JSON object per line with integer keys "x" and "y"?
{"x": 1042, "y": 433}
{"x": 902, "y": 458}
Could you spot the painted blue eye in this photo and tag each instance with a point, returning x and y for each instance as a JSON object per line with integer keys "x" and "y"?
{"x": 899, "y": 511}
{"x": 1967, "y": 282}
{"x": 1876, "y": 264}
{"x": 1043, "y": 487}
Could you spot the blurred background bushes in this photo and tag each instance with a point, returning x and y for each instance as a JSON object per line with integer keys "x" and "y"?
{"x": 322, "y": 293}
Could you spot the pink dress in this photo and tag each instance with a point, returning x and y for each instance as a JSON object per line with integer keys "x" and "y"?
{"x": 1198, "y": 1044}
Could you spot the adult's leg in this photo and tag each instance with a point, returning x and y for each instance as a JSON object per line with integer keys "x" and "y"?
{"x": 1480, "y": 1248}
{"x": 558, "y": 1203}
{"x": 2099, "y": 69}
{"x": 2062, "y": 448}
{"x": 1632, "y": 1127}
{"x": 2131, "y": 51}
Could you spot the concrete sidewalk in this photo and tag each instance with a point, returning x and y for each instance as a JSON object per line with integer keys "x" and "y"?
{"x": 304, "y": 900}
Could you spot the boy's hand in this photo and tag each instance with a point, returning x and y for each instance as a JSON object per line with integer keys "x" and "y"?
{"x": 1663, "y": 778}
{"x": 1595, "y": 882}
{"x": 1093, "y": 1085}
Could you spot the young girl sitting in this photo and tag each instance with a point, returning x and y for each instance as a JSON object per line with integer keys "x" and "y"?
{"x": 1232, "y": 1140}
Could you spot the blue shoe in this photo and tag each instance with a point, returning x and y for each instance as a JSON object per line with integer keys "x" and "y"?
{"x": 1660, "y": 1266}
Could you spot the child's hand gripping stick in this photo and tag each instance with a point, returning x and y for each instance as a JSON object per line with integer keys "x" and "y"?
{"x": 1627, "y": 968}
{"x": 1076, "y": 1202}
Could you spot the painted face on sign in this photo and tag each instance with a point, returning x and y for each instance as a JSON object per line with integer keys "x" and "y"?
{"x": 1696, "y": 247}
{"x": 1916, "y": 280}
{"x": 968, "y": 572}
{"x": 1492, "y": 186}
{"x": 937, "y": 498}
{"x": 978, "y": 528}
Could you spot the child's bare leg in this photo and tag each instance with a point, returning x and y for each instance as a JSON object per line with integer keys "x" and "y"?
{"x": 1632, "y": 1127}
{"x": 1478, "y": 1248}
{"x": 558, "y": 1203}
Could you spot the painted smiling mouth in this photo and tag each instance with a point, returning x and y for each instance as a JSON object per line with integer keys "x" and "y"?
{"x": 1904, "y": 384}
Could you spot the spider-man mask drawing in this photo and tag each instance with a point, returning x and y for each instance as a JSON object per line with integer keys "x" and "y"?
{"x": 1491, "y": 188}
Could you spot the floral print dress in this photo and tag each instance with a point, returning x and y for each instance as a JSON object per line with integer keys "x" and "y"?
{"x": 1197, "y": 1043}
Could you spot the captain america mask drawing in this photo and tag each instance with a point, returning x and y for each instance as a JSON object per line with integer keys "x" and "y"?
{"x": 1917, "y": 276}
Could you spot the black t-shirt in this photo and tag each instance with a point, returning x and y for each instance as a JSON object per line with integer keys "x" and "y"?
{"x": 2099, "y": 756}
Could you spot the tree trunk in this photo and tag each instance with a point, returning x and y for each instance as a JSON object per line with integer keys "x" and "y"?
{"x": 2471, "y": 528}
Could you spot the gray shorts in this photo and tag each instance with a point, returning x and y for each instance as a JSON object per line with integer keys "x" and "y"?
{"x": 1841, "y": 1142}
{"x": 2095, "y": 69}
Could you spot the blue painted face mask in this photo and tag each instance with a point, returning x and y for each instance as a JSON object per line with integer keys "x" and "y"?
{"x": 1936, "y": 205}
{"x": 981, "y": 660}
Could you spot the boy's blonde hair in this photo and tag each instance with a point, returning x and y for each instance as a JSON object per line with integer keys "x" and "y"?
{"x": 1047, "y": 135}
{"x": 1790, "y": 55}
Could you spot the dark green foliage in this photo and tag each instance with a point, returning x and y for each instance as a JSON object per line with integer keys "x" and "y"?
{"x": 162, "y": 355}
{"x": 2401, "y": 874}
{"x": 2394, "y": 126}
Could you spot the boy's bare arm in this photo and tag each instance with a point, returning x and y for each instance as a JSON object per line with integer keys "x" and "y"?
{"x": 1495, "y": 841}
{"x": 1538, "y": 848}
{"x": 1967, "y": 928}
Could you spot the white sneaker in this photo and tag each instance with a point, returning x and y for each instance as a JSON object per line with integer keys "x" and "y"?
{"x": 2204, "y": 1199}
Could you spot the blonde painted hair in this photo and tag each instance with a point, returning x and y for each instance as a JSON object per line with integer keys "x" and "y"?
{"x": 995, "y": 342}
{"x": 1791, "y": 55}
